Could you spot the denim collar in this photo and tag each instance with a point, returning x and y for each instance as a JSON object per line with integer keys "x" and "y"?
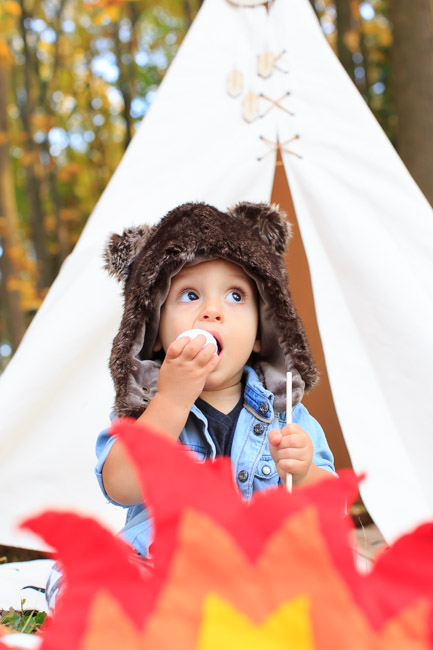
{"x": 257, "y": 399}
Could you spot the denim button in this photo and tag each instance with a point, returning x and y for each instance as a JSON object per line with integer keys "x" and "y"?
{"x": 258, "y": 429}
{"x": 243, "y": 476}
{"x": 263, "y": 407}
{"x": 266, "y": 470}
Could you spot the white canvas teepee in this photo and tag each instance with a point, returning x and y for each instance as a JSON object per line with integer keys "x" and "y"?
{"x": 368, "y": 236}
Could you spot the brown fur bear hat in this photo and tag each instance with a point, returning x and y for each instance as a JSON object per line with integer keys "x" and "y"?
{"x": 145, "y": 258}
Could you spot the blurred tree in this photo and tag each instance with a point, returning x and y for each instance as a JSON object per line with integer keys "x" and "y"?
{"x": 360, "y": 33}
{"x": 412, "y": 64}
{"x": 12, "y": 315}
{"x": 82, "y": 76}
{"x": 344, "y": 29}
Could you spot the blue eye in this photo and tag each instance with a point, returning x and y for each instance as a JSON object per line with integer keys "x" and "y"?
{"x": 234, "y": 296}
{"x": 188, "y": 296}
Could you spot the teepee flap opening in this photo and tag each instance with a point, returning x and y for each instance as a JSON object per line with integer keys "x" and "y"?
{"x": 319, "y": 402}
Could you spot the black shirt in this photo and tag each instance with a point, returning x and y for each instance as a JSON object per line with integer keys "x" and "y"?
{"x": 221, "y": 426}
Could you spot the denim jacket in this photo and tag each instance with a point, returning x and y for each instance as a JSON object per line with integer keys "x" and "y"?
{"x": 253, "y": 466}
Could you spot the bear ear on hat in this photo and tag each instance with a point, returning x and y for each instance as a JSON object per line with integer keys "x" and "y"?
{"x": 268, "y": 220}
{"x": 121, "y": 250}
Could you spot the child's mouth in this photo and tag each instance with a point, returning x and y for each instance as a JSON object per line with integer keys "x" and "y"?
{"x": 218, "y": 342}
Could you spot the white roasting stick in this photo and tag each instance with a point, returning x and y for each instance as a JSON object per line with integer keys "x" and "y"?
{"x": 289, "y": 482}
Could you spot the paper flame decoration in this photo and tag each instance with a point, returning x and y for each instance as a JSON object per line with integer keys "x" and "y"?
{"x": 276, "y": 573}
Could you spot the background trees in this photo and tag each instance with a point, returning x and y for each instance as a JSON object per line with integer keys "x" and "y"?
{"x": 77, "y": 76}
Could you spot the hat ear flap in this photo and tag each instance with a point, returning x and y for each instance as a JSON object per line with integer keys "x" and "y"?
{"x": 121, "y": 250}
{"x": 270, "y": 222}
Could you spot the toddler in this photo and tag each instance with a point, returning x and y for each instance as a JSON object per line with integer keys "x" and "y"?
{"x": 222, "y": 272}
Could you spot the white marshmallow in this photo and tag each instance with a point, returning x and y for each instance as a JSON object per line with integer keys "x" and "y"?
{"x": 196, "y": 332}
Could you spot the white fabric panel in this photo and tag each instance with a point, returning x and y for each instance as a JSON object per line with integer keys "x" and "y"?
{"x": 56, "y": 393}
{"x": 368, "y": 235}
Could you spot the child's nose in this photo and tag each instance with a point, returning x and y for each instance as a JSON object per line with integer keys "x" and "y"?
{"x": 211, "y": 312}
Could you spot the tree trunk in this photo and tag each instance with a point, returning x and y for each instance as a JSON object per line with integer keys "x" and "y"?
{"x": 36, "y": 212}
{"x": 14, "y": 317}
{"x": 365, "y": 55}
{"x": 343, "y": 26}
{"x": 412, "y": 66}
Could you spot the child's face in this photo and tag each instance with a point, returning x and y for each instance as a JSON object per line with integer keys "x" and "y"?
{"x": 219, "y": 297}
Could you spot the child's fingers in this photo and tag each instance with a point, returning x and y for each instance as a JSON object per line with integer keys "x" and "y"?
{"x": 175, "y": 348}
{"x": 207, "y": 358}
{"x": 275, "y": 437}
{"x": 292, "y": 453}
{"x": 291, "y": 466}
{"x": 294, "y": 436}
{"x": 186, "y": 347}
{"x": 193, "y": 347}
{"x": 293, "y": 441}
{"x": 191, "y": 351}
{"x": 291, "y": 428}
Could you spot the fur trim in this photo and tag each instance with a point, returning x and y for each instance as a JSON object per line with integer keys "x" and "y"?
{"x": 269, "y": 221}
{"x": 255, "y": 236}
{"x": 121, "y": 250}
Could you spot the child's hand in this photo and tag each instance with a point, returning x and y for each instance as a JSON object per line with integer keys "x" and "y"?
{"x": 186, "y": 367}
{"x": 292, "y": 452}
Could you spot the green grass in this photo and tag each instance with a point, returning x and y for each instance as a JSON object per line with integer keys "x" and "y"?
{"x": 24, "y": 621}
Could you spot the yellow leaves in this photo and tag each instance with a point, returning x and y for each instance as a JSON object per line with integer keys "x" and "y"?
{"x": 3, "y": 227}
{"x": 12, "y": 8}
{"x": 14, "y": 253}
{"x": 13, "y": 283}
{"x": 45, "y": 72}
{"x": 351, "y": 40}
{"x": 53, "y": 247}
{"x": 354, "y": 9}
{"x": 29, "y": 158}
{"x": 380, "y": 29}
{"x": 19, "y": 258}
{"x": 23, "y": 280}
{"x": 113, "y": 13}
{"x": 65, "y": 47}
{"x": 46, "y": 47}
{"x": 4, "y": 138}
{"x": 5, "y": 54}
{"x": 42, "y": 122}
{"x": 30, "y": 298}
{"x": 70, "y": 215}
{"x": 105, "y": 11}
{"x": 50, "y": 223}
{"x": 68, "y": 172}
